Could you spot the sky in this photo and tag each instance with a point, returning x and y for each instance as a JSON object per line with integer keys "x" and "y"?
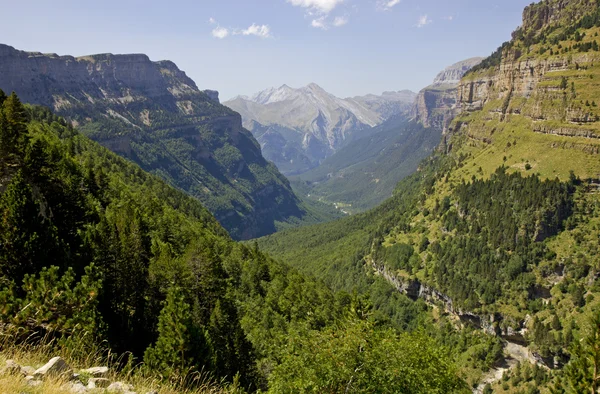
{"x": 239, "y": 47}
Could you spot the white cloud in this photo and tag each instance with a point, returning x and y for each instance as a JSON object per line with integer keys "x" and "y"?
{"x": 340, "y": 21}
{"x": 220, "y": 32}
{"x": 423, "y": 21}
{"x": 387, "y": 4}
{"x": 262, "y": 31}
{"x": 448, "y": 18}
{"x": 321, "y": 6}
{"x": 319, "y": 23}
{"x": 212, "y": 20}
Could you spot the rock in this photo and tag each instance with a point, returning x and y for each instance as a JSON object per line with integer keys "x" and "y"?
{"x": 119, "y": 387}
{"x": 11, "y": 368}
{"x": 27, "y": 370}
{"x": 77, "y": 387}
{"x": 56, "y": 366}
{"x": 32, "y": 382}
{"x": 97, "y": 372}
{"x": 101, "y": 383}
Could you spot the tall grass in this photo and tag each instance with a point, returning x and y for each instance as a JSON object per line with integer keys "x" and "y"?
{"x": 36, "y": 350}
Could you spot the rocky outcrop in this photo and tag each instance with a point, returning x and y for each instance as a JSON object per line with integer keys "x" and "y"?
{"x": 545, "y": 13}
{"x": 436, "y": 105}
{"x": 155, "y": 115}
{"x": 57, "y": 370}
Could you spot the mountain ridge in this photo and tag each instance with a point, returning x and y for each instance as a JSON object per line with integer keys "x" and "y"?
{"x": 153, "y": 114}
{"x": 298, "y": 128}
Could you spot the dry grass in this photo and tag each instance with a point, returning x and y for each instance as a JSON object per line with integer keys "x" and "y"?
{"x": 119, "y": 370}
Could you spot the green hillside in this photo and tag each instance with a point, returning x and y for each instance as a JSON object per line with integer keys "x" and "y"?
{"x": 100, "y": 257}
{"x": 154, "y": 115}
{"x": 498, "y": 230}
{"x": 365, "y": 172}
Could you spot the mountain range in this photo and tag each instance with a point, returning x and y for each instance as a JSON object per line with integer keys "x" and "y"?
{"x": 298, "y": 128}
{"x": 363, "y": 173}
{"x": 153, "y": 114}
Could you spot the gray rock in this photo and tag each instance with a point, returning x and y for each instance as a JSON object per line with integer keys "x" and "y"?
{"x": 119, "y": 387}
{"x": 55, "y": 367}
{"x": 33, "y": 383}
{"x": 11, "y": 368}
{"x": 77, "y": 387}
{"x": 27, "y": 370}
{"x": 101, "y": 383}
{"x": 97, "y": 372}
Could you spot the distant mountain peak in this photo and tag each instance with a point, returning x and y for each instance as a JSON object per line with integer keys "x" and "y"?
{"x": 310, "y": 123}
{"x": 452, "y": 74}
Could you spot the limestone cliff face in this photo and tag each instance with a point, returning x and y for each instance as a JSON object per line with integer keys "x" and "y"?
{"x": 549, "y": 12}
{"x": 529, "y": 82}
{"x": 155, "y": 115}
{"x": 435, "y": 105}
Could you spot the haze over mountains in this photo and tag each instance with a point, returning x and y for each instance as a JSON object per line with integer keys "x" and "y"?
{"x": 365, "y": 172}
{"x": 298, "y": 128}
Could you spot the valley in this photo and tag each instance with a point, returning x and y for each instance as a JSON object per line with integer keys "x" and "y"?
{"x": 293, "y": 241}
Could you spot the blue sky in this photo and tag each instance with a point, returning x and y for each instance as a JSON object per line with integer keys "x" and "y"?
{"x": 349, "y": 47}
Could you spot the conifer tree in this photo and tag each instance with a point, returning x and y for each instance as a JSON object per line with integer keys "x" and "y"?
{"x": 13, "y": 134}
{"x": 21, "y": 231}
{"x": 173, "y": 351}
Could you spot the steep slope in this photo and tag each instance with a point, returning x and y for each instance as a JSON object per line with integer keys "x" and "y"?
{"x": 499, "y": 228}
{"x": 298, "y": 128}
{"x": 388, "y": 104}
{"x": 103, "y": 262}
{"x": 435, "y": 105}
{"x": 365, "y": 172}
{"x": 153, "y": 114}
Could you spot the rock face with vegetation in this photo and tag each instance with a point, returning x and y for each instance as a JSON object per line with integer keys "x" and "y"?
{"x": 298, "y": 128}
{"x": 154, "y": 115}
{"x": 435, "y": 105}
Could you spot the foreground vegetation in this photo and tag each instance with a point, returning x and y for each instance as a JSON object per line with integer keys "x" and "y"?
{"x": 97, "y": 254}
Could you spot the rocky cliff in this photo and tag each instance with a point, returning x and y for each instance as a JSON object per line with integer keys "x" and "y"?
{"x": 541, "y": 82}
{"x": 153, "y": 114}
{"x": 435, "y": 105}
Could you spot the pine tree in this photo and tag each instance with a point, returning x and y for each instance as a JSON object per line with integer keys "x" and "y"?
{"x": 173, "y": 351}
{"x": 2, "y": 97}
{"x": 21, "y": 231}
{"x": 582, "y": 374}
{"x": 13, "y": 133}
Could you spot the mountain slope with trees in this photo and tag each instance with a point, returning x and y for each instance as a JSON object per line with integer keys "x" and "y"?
{"x": 499, "y": 228}
{"x": 100, "y": 257}
{"x": 154, "y": 115}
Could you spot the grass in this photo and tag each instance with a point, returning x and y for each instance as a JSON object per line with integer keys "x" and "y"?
{"x": 143, "y": 381}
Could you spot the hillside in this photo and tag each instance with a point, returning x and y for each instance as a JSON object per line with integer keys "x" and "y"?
{"x": 105, "y": 263}
{"x": 362, "y": 174}
{"x": 154, "y": 115}
{"x": 499, "y": 228}
{"x": 298, "y": 128}
{"x": 365, "y": 172}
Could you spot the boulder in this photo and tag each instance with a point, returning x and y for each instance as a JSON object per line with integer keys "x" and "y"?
{"x": 77, "y": 388}
{"x": 55, "y": 367}
{"x": 119, "y": 387}
{"x": 97, "y": 372}
{"x": 11, "y": 368}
